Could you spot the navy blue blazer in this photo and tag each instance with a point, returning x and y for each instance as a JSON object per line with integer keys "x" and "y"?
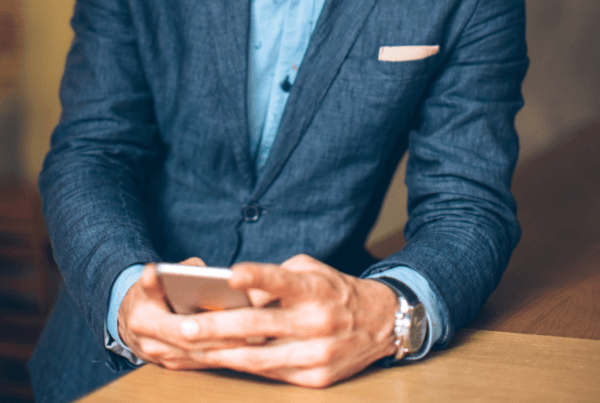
{"x": 151, "y": 161}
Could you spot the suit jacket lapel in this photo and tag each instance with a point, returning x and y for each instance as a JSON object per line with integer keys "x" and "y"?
{"x": 230, "y": 32}
{"x": 338, "y": 26}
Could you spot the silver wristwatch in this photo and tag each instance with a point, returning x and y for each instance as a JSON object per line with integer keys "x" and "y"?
{"x": 410, "y": 327}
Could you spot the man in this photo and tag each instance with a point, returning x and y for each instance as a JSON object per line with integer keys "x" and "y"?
{"x": 218, "y": 132}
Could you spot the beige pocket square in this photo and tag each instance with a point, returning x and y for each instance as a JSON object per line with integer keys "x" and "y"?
{"x": 406, "y": 53}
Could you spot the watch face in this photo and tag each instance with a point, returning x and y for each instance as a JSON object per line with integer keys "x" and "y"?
{"x": 418, "y": 328}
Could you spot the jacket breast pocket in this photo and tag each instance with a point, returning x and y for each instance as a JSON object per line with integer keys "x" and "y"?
{"x": 375, "y": 70}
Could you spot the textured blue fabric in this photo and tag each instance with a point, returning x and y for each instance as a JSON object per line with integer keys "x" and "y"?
{"x": 279, "y": 36}
{"x": 151, "y": 158}
{"x": 61, "y": 356}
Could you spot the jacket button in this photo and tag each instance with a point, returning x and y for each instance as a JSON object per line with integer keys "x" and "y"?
{"x": 251, "y": 213}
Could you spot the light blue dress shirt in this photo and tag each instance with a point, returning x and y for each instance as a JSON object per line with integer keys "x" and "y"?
{"x": 280, "y": 31}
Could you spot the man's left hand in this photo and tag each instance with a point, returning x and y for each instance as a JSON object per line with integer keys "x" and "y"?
{"x": 328, "y": 326}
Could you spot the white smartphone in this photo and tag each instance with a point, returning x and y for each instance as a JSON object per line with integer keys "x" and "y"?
{"x": 193, "y": 289}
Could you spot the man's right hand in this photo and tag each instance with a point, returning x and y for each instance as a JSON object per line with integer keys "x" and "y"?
{"x": 155, "y": 334}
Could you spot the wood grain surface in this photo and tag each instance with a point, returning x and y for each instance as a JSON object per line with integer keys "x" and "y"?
{"x": 481, "y": 366}
{"x": 552, "y": 284}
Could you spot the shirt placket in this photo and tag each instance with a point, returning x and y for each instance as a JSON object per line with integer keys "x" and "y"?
{"x": 294, "y": 42}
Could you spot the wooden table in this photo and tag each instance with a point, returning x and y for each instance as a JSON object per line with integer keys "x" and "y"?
{"x": 482, "y": 366}
{"x": 536, "y": 340}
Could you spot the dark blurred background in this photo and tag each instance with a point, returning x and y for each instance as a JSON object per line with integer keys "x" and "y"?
{"x": 555, "y": 184}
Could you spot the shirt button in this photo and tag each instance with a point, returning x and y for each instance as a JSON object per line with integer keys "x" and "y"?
{"x": 251, "y": 213}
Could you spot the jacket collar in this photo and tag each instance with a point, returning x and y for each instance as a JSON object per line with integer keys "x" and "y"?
{"x": 230, "y": 35}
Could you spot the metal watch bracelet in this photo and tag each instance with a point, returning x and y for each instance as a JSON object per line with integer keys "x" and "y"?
{"x": 410, "y": 322}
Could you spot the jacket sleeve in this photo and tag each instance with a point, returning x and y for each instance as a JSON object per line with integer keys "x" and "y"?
{"x": 462, "y": 224}
{"x": 92, "y": 178}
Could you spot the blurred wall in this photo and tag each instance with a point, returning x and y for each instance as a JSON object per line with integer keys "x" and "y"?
{"x": 562, "y": 88}
{"x": 11, "y": 119}
{"x": 47, "y": 39}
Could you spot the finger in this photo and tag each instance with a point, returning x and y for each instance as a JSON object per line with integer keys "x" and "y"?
{"x": 194, "y": 331}
{"x": 270, "y": 278}
{"x": 303, "y": 263}
{"x": 235, "y": 324}
{"x": 188, "y": 334}
{"x": 319, "y": 377}
{"x": 258, "y": 360}
{"x": 153, "y": 320}
{"x": 183, "y": 365}
{"x": 260, "y": 298}
{"x": 193, "y": 261}
{"x": 153, "y": 351}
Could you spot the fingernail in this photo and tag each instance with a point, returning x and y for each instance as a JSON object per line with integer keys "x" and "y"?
{"x": 189, "y": 328}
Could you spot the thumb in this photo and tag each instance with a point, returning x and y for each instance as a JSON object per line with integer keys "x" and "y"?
{"x": 150, "y": 281}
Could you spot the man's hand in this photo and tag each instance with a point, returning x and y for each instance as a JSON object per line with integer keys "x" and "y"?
{"x": 329, "y": 325}
{"x": 154, "y": 334}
